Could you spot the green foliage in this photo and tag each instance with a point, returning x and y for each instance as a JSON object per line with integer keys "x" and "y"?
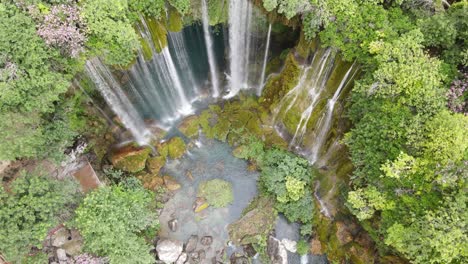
{"x": 183, "y": 6}
{"x": 217, "y": 193}
{"x": 364, "y": 202}
{"x": 438, "y": 236}
{"x": 110, "y": 220}
{"x": 288, "y": 178}
{"x": 111, "y": 34}
{"x": 302, "y": 247}
{"x": 289, "y": 8}
{"x": 32, "y": 206}
{"x": 153, "y": 8}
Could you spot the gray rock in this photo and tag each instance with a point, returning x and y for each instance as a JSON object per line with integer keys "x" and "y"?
{"x": 276, "y": 251}
{"x": 169, "y": 250}
{"x": 290, "y": 245}
{"x": 61, "y": 255}
{"x": 194, "y": 257}
{"x": 182, "y": 258}
{"x": 206, "y": 240}
{"x": 201, "y": 254}
{"x": 60, "y": 237}
{"x": 191, "y": 244}
{"x": 237, "y": 258}
{"x": 249, "y": 250}
{"x": 173, "y": 225}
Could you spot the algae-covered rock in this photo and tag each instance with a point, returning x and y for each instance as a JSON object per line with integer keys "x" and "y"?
{"x": 151, "y": 181}
{"x": 176, "y": 147}
{"x": 171, "y": 183}
{"x": 279, "y": 85}
{"x": 154, "y": 164}
{"x": 130, "y": 158}
{"x": 146, "y": 49}
{"x": 189, "y": 127}
{"x": 174, "y": 22}
{"x": 158, "y": 33}
{"x": 217, "y": 193}
{"x": 200, "y": 204}
{"x": 257, "y": 221}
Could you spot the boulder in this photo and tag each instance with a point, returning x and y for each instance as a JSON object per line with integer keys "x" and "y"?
{"x": 61, "y": 255}
{"x": 176, "y": 147}
{"x": 154, "y": 164}
{"x": 238, "y": 259}
{"x": 191, "y": 244}
{"x": 200, "y": 204}
{"x": 276, "y": 251}
{"x": 182, "y": 258}
{"x": 206, "y": 240}
{"x": 342, "y": 233}
{"x": 169, "y": 250}
{"x": 255, "y": 223}
{"x": 150, "y": 181}
{"x": 290, "y": 245}
{"x": 173, "y": 224}
{"x": 189, "y": 126}
{"x": 60, "y": 237}
{"x": 316, "y": 247}
{"x": 130, "y": 158}
{"x": 170, "y": 183}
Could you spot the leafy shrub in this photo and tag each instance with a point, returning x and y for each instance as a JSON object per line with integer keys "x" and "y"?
{"x": 110, "y": 220}
{"x": 302, "y": 247}
{"x": 218, "y": 193}
{"x": 29, "y": 209}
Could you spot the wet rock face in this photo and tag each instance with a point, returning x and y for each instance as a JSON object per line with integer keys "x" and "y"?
{"x": 169, "y": 250}
{"x": 206, "y": 240}
{"x": 257, "y": 222}
{"x": 276, "y": 251}
{"x": 130, "y": 158}
{"x": 173, "y": 225}
{"x": 343, "y": 233}
{"x": 191, "y": 244}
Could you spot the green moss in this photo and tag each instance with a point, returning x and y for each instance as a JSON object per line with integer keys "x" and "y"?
{"x": 221, "y": 129}
{"x": 174, "y": 23}
{"x": 154, "y": 164}
{"x": 130, "y": 159}
{"x": 218, "y": 193}
{"x": 158, "y": 33}
{"x": 176, "y": 147}
{"x": 257, "y": 221}
{"x": 189, "y": 127}
{"x": 303, "y": 47}
{"x": 279, "y": 85}
{"x": 146, "y": 49}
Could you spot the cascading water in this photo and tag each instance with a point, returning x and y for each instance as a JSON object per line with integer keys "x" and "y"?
{"x": 239, "y": 33}
{"x": 209, "y": 50}
{"x": 324, "y": 124}
{"x": 117, "y": 100}
{"x": 265, "y": 59}
{"x": 316, "y": 85}
{"x": 180, "y": 52}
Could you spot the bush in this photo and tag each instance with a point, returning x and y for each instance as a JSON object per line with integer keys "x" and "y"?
{"x": 29, "y": 209}
{"x": 110, "y": 220}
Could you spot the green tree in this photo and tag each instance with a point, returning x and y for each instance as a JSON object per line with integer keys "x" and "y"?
{"x": 111, "y": 220}
{"x": 110, "y": 30}
{"x": 32, "y": 206}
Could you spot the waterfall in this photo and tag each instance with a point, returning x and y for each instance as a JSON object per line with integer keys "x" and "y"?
{"x": 265, "y": 58}
{"x": 209, "y": 50}
{"x": 117, "y": 100}
{"x": 315, "y": 88}
{"x": 325, "y": 123}
{"x": 239, "y": 44}
{"x": 186, "y": 107}
{"x": 181, "y": 54}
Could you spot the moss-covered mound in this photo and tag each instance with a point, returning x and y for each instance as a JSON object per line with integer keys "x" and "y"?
{"x": 130, "y": 158}
{"x": 256, "y": 223}
{"x": 218, "y": 193}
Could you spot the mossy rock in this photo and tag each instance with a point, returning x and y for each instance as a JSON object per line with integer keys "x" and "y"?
{"x": 158, "y": 33}
{"x": 176, "y": 147}
{"x": 279, "y": 85}
{"x": 257, "y": 221}
{"x": 130, "y": 158}
{"x": 151, "y": 181}
{"x": 146, "y": 49}
{"x": 217, "y": 192}
{"x": 174, "y": 23}
{"x": 221, "y": 129}
{"x": 189, "y": 126}
{"x": 154, "y": 164}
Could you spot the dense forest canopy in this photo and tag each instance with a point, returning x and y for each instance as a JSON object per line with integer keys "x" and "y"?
{"x": 409, "y": 112}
